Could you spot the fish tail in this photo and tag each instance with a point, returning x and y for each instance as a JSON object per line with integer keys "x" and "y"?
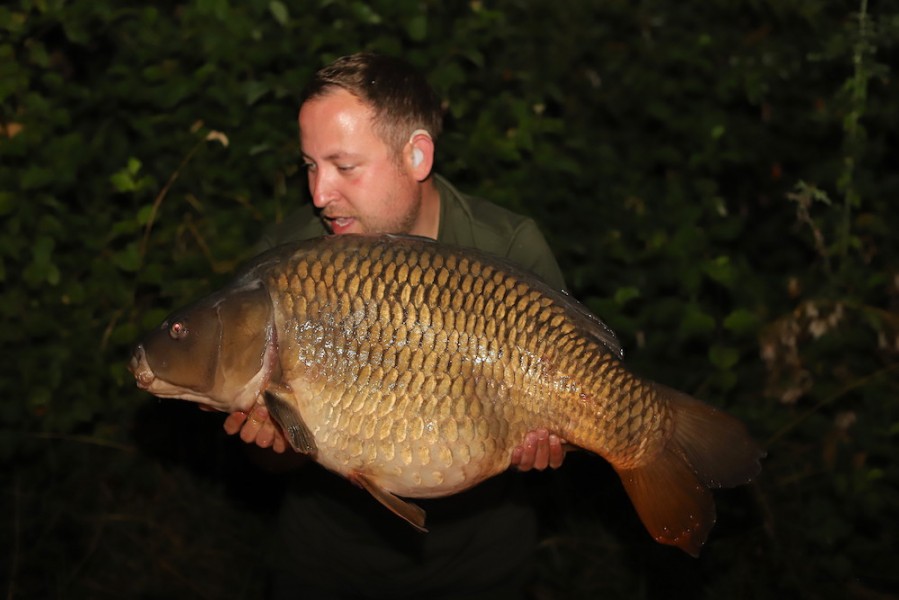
{"x": 706, "y": 449}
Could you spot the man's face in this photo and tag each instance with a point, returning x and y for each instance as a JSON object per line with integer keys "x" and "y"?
{"x": 355, "y": 179}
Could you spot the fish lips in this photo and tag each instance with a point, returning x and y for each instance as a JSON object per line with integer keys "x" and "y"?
{"x": 140, "y": 368}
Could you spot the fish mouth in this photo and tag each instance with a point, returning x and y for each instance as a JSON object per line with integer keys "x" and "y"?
{"x": 140, "y": 368}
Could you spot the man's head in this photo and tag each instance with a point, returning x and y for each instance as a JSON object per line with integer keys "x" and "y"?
{"x": 367, "y": 130}
{"x": 398, "y": 95}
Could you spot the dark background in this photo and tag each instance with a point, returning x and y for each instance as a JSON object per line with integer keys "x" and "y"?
{"x": 718, "y": 179}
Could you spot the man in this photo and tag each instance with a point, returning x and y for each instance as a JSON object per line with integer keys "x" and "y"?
{"x": 368, "y": 127}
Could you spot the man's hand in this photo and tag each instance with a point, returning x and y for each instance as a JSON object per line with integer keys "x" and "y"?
{"x": 256, "y": 428}
{"x": 540, "y": 449}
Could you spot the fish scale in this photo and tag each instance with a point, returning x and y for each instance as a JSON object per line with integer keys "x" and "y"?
{"x": 414, "y": 369}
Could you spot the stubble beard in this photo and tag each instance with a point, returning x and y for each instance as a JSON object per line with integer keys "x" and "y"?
{"x": 405, "y": 223}
{"x": 411, "y": 218}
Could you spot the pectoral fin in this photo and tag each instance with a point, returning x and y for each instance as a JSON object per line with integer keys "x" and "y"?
{"x": 285, "y": 413}
{"x": 412, "y": 513}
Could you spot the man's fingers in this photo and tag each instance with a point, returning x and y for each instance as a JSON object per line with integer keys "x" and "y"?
{"x": 539, "y": 450}
{"x": 516, "y": 456}
{"x": 279, "y": 444}
{"x": 523, "y": 455}
{"x": 234, "y": 422}
{"x": 266, "y": 435}
{"x": 541, "y": 455}
{"x": 256, "y": 418}
{"x": 249, "y": 431}
{"x": 259, "y": 413}
{"x": 556, "y": 451}
{"x": 256, "y": 427}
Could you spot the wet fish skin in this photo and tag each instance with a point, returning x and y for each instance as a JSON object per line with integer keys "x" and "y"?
{"x": 436, "y": 355}
{"x": 414, "y": 369}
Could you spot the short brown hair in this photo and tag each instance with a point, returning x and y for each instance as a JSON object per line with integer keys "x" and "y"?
{"x": 398, "y": 94}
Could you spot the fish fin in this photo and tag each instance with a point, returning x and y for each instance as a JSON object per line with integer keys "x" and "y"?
{"x": 412, "y": 513}
{"x": 715, "y": 444}
{"x": 674, "y": 506}
{"x": 707, "y": 449}
{"x": 289, "y": 418}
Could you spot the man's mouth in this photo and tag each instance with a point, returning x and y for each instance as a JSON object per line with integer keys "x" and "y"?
{"x": 340, "y": 224}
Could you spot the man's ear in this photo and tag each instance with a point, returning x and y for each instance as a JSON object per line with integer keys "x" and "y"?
{"x": 420, "y": 154}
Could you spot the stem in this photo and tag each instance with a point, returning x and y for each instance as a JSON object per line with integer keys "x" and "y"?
{"x": 157, "y": 202}
{"x": 858, "y": 101}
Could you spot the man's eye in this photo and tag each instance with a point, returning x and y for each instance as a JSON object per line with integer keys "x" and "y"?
{"x": 345, "y": 168}
{"x": 309, "y": 166}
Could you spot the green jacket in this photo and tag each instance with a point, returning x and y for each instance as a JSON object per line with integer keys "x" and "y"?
{"x": 464, "y": 221}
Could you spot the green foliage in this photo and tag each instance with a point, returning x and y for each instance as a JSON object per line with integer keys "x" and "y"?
{"x": 717, "y": 179}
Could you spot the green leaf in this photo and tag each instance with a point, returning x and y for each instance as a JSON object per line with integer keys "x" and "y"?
{"x": 128, "y": 259}
{"x": 122, "y": 181}
{"x": 742, "y": 322}
{"x": 254, "y": 90}
{"x": 36, "y": 176}
{"x": 152, "y": 318}
{"x": 52, "y": 274}
{"x": 134, "y": 165}
{"x": 143, "y": 215}
{"x": 366, "y": 13}
{"x": 279, "y": 11}
{"x": 6, "y": 203}
{"x": 625, "y": 294}
{"x": 125, "y": 226}
{"x": 125, "y": 333}
{"x": 37, "y": 274}
{"x": 43, "y": 249}
{"x": 126, "y": 179}
{"x": 696, "y": 322}
{"x": 721, "y": 269}
{"x": 724, "y": 357}
{"x": 417, "y": 28}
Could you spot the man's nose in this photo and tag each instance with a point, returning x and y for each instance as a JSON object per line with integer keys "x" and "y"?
{"x": 321, "y": 188}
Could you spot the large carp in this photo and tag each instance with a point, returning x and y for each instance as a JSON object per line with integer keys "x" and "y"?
{"x": 414, "y": 369}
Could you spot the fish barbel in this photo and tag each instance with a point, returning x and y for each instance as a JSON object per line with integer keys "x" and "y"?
{"x": 414, "y": 369}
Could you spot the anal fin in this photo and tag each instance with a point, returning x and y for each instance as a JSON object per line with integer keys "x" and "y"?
{"x": 286, "y": 414}
{"x": 412, "y": 513}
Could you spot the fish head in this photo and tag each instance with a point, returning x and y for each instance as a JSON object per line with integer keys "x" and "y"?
{"x": 219, "y": 351}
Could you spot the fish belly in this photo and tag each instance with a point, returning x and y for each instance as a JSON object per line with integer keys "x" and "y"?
{"x": 414, "y": 435}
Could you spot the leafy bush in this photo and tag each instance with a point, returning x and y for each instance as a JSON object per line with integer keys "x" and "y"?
{"x": 717, "y": 180}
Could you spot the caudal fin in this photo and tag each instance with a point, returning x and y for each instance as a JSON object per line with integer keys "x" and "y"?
{"x": 707, "y": 449}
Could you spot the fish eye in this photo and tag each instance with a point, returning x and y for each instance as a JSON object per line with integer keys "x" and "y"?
{"x": 178, "y": 330}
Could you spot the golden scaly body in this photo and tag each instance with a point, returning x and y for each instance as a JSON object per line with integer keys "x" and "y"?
{"x": 423, "y": 369}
